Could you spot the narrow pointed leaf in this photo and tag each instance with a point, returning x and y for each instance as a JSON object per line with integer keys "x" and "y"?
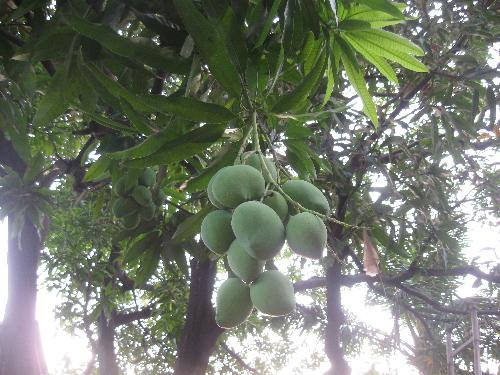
{"x": 297, "y": 97}
{"x": 181, "y": 148}
{"x": 211, "y": 45}
{"x": 151, "y": 55}
{"x": 268, "y": 23}
{"x": 379, "y": 62}
{"x": 357, "y": 80}
{"x": 390, "y": 41}
{"x": 149, "y": 146}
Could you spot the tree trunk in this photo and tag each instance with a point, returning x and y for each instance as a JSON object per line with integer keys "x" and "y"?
{"x": 200, "y": 332}
{"x": 106, "y": 347}
{"x": 335, "y": 318}
{"x": 20, "y": 346}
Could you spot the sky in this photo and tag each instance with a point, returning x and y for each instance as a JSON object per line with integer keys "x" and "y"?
{"x": 61, "y": 347}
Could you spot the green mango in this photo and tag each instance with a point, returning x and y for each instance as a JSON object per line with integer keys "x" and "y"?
{"x": 216, "y": 232}
{"x": 278, "y": 203}
{"x": 306, "y": 235}
{"x": 272, "y": 294}
{"x": 232, "y": 305}
{"x": 259, "y": 229}
{"x": 307, "y": 195}
{"x": 242, "y": 264}
{"x": 237, "y": 184}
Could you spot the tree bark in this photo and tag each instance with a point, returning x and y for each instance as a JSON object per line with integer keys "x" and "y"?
{"x": 106, "y": 347}
{"x": 200, "y": 332}
{"x": 20, "y": 346}
{"x": 335, "y": 318}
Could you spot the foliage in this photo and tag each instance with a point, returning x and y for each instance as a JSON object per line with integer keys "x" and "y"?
{"x": 186, "y": 87}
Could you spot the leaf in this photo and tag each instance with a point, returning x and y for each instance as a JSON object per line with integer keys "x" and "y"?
{"x": 148, "y": 265}
{"x": 135, "y": 119}
{"x": 384, "y": 6}
{"x": 370, "y": 256}
{"x": 312, "y": 116}
{"x": 297, "y": 97}
{"x": 268, "y": 23}
{"x": 188, "y": 108}
{"x": 389, "y": 42}
{"x": 97, "y": 169}
{"x": 24, "y": 8}
{"x": 330, "y": 83}
{"x": 149, "y": 146}
{"x": 378, "y": 61}
{"x": 34, "y": 169}
{"x": 235, "y": 40}
{"x": 106, "y": 122}
{"x": 56, "y": 99}
{"x": 151, "y": 55}
{"x": 190, "y": 227}
{"x": 293, "y": 32}
{"x": 181, "y": 148}
{"x": 224, "y": 157}
{"x": 376, "y": 19}
{"x": 115, "y": 89}
{"x": 139, "y": 247}
{"x": 211, "y": 45}
{"x": 298, "y": 154}
{"x": 357, "y": 80}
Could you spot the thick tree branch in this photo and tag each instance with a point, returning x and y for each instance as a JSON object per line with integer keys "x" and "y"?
{"x": 351, "y": 280}
{"x": 120, "y": 318}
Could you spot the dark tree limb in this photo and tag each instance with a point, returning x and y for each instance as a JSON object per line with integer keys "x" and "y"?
{"x": 121, "y": 318}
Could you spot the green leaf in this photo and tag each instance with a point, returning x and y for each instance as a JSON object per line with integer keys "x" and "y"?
{"x": 389, "y": 41}
{"x": 104, "y": 121}
{"x": 311, "y": 116}
{"x": 59, "y": 94}
{"x": 149, "y": 146}
{"x": 135, "y": 118}
{"x": 182, "y": 147}
{"x": 188, "y": 108}
{"x": 376, "y": 19}
{"x": 211, "y": 44}
{"x": 356, "y": 79}
{"x": 235, "y": 40}
{"x": 268, "y": 23}
{"x": 329, "y": 84}
{"x": 139, "y": 247}
{"x": 190, "y": 227}
{"x": 224, "y": 157}
{"x": 380, "y": 63}
{"x": 25, "y": 7}
{"x": 34, "y": 169}
{"x": 300, "y": 160}
{"x": 116, "y": 90}
{"x": 384, "y": 6}
{"x": 148, "y": 54}
{"x": 296, "y": 98}
{"x": 148, "y": 265}
{"x": 386, "y": 46}
{"x": 293, "y": 33}
{"x": 98, "y": 169}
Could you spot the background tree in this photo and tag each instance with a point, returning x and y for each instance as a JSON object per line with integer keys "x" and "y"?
{"x": 185, "y": 87}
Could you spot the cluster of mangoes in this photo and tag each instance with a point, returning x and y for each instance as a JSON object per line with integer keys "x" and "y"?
{"x": 134, "y": 199}
{"x": 250, "y": 227}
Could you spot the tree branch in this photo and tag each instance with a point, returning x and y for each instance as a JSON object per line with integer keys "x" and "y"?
{"x": 237, "y": 358}
{"x": 126, "y": 318}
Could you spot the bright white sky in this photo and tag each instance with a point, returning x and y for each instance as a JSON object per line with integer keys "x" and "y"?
{"x": 60, "y": 347}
